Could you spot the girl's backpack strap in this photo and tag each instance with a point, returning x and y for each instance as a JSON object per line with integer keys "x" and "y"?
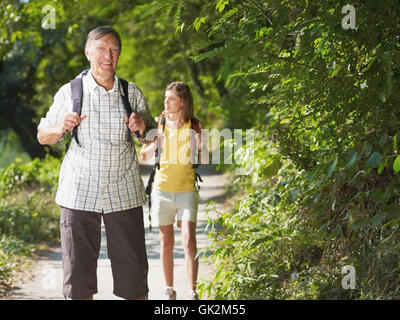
{"x": 195, "y": 125}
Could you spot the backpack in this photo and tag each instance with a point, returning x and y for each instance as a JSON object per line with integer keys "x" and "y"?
{"x": 194, "y": 125}
{"x": 77, "y": 95}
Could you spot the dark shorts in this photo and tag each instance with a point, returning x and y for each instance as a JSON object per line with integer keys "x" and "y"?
{"x": 80, "y": 246}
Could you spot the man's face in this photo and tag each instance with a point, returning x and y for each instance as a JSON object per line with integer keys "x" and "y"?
{"x": 103, "y": 55}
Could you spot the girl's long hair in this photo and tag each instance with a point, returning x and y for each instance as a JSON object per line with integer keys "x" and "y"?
{"x": 185, "y": 94}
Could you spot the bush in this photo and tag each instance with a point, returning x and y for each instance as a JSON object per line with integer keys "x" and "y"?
{"x": 286, "y": 239}
{"x": 29, "y": 217}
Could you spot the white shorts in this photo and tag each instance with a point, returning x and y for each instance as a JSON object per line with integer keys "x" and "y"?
{"x": 166, "y": 205}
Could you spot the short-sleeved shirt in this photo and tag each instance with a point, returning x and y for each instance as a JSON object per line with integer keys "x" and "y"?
{"x": 101, "y": 174}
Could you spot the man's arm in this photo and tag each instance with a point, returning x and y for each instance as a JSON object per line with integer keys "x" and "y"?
{"x": 141, "y": 119}
{"x": 51, "y": 134}
{"x": 59, "y": 119}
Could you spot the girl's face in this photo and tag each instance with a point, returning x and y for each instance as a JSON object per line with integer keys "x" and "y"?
{"x": 172, "y": 102}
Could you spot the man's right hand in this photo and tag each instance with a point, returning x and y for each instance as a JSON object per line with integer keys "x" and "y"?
{"x": 52, "y": 134}
{"x": 71, "y": 120}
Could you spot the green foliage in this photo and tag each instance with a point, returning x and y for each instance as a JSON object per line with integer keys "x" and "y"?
{"x": 160, "y": 52}
{"x": 326, "y": 159}
{"x": 35, "y": 62}
{"x": 29, "y": 216}
{"x": 37, "y": 173}
{"x": 10, "y": 148}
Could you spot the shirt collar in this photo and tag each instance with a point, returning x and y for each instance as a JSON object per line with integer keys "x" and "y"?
{"x": 93, "y": 84}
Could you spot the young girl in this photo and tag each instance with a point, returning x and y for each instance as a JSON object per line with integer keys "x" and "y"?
{"x": 174, "y": 190}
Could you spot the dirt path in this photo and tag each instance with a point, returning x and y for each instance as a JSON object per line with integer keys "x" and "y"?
{"x": 46, "y": 279}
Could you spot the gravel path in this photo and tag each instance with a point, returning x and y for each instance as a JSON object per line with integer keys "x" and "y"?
{"x": 45, "y": 280}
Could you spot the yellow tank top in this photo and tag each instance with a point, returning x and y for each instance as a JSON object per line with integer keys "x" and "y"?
{"x": 176, "y": 173}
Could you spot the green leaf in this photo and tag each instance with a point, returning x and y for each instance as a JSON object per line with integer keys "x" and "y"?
{"x": 378, "y": 196}
{"x": 396, "y": 164}
{"x": 334, "y": 72}
{"x": 272, "y": 169}
{"x": 378, "y": 219}
{"x": 313, "y": 174}
{"x": 332, "y": 166}
{"x": 367, "y": 148}
{"x": 393, "y": 211}
{"x": 383, "y": 140}
{"x": 352, "y": 161}
{"x": 359, "y": 223}
{"x": 221, "y": 5}
{"x": 382, "y": 165}
{"x": 198, "y": 22}
{"x": 356, "y": 179}
{"x": 373, "y": 160}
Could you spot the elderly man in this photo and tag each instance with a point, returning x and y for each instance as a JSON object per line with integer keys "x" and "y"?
{"x": 99, "y": 177}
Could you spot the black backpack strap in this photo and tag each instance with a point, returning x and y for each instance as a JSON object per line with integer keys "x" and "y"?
{"x": 197, "y": 178}
{"x": 194, "y": 125}
{"x": 77, "y": 95}
{"x": 149, "y": 188}
{"x": 127, "y": 105}
{"x": 161, "y": 124}
{"x": 125, "y": 99}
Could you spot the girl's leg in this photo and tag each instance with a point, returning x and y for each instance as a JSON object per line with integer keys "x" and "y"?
{"x": 167, "y": 247}
{"x": 190, "y": 246}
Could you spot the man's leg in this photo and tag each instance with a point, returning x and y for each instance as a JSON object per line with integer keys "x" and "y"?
{"x": 80, "y": 247}
{"x": 127, "y": 252}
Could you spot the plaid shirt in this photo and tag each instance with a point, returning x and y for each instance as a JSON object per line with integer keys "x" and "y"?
{"x": 102, "y": 173}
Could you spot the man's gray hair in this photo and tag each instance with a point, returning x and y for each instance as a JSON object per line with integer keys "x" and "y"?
{"x": 100, "y": 32}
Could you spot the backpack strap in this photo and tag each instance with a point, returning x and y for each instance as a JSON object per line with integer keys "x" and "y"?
{"x": 127, "y": 105}
{"x": 195, "y": 125}
{"x": 125, "y": 99}
{"x": 77, "y": 95}
{"x": 161, "y": 128}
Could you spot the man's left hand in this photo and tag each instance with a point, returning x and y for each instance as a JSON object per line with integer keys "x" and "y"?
{"x": 136, "y": 122}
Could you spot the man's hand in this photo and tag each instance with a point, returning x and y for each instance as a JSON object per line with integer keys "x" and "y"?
{"x": 52, "y": 134}
{"x": 71, "y": 120}
{"x": 136, "y": 122}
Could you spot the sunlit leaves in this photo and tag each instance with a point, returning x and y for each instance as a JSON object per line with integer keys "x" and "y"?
{"x": 396, "y": 164}
{"x": 221, "y": 5}
{"x": 198, "y": 22}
